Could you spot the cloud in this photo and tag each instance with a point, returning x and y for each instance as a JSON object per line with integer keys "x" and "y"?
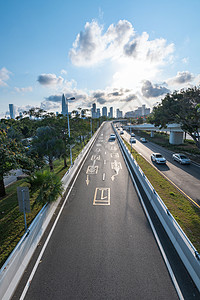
{"x": 130, "y": 98}
{"x": 181, "y": 78}
{"x": 93, "y": 46}
{"x": 24, "y": 90}
{"x": 63, "y": 72}
{"x": 50, "y": 106}
{"x": 4, "y": 76}
{"x": 150, "y": 91}
{"x": 120, "y": 41}
{"x": 49, "y": 79}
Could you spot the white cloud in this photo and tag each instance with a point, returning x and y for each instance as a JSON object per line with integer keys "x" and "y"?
{"x": 63, "y": 72}
{"x": 119, "y": 41}
{"x": 181, "y": 78}
{"x": 50, "y": 79}
{"x": 4, "y": 76}
{"x": 24, "y": 90}
{"x": 153, "y": 91}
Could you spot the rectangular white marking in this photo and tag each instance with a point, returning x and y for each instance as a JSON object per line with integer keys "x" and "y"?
{"x": 102, "y": 196}
{"x": 104, "y": 175}
{"x": 92, "y": 170}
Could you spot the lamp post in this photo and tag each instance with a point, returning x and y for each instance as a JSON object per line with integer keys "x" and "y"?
{"x": 67, "y": 100}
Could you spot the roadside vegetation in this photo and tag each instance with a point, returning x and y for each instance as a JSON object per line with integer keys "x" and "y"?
{"x": 40, "y": 145}
{"x": 185, "y": 213}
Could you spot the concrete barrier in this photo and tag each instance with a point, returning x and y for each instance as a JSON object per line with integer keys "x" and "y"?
{"x": 14, "y": 267}
{"x": 186, "y": 250}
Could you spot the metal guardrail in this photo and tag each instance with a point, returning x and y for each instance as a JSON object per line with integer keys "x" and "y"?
{"x": 14, "y": 267}
{"x": 186, "y": 250}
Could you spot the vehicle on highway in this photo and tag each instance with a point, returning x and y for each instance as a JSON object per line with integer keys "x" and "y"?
{"x": 181, "y": 158}
{"x": 132, "y": 134}
{"x": 121, "y": 132}
{"x": 132, "y": 140}
{"x": 112, "y": 137}
{"x": 143, "y": 140}
{"x": 158, "y": 158}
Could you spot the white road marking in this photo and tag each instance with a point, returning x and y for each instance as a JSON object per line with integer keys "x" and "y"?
{"x": 102, "y": 196}
{"x": 115, "y": 166}
{"x": 104, "y": 162}
{"x": 104, "y": 175}
{"x": 87, "y": 180}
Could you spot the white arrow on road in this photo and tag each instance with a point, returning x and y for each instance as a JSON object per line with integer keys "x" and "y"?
{"x": 87, "y": 180}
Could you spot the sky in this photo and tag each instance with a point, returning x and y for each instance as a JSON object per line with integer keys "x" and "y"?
{"x": 119, "y": 54}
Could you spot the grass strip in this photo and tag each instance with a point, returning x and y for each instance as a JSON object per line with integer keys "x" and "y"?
{"x": 186, "y": 214}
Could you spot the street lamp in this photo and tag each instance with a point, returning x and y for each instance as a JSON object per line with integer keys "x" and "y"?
{"x": 67, "y": 100}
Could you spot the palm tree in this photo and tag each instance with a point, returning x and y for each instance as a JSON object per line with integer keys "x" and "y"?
{"x": 47, "y": 183}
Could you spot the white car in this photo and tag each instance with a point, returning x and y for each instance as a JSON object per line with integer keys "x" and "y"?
{"x": 112, "y": 137}
{"x": 132, "y": 134}
{"x": 121, "y": 132}
{"x": 181, "y": 158}
{"x": 158, "y": 158}
{"x": 143, "y": 140}
{"x": 132, "y": 140}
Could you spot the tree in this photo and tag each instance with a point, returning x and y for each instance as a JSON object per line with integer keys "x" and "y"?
{"x": 48, "y": 184}
{"x": 182, "y": 108}
{"x": 12, "y": 156}
{"x": 47, "y": 143}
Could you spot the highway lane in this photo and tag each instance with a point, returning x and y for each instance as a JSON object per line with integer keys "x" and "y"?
{"x": 102, "y": 246}
{"x": 186, "y": 177}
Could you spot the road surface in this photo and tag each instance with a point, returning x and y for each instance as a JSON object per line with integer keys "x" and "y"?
{"x": 102, "y": 246}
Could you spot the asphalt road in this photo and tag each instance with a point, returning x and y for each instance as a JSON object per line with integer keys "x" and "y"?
{"x": 102, "y": 246}
{"x": 12, "y": 177}
{"x": 186, "y": 177}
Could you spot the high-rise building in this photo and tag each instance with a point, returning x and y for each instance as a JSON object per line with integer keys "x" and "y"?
{"x": 64, "y": 106}
{"x": 93, "y": 110}
{"x": 12, "y": 111}
{"x": 111, "y": 112}
{"x": 98, "y": 114}
{"x": 119, "y": 113}
{"x": 104, "y": 111}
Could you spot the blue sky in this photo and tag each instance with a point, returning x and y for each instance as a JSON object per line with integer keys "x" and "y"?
{"x": 121, "y": 54}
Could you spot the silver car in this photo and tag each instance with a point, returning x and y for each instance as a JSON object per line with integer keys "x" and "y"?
{"x": 158, "y": 158}
{"x": 181, "y": 158}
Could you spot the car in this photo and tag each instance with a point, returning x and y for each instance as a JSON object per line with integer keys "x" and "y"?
{"x": 158, "y": 158}
{"x": 132, "y": 140}
{"x": 121, "y": 132}
{"x": 143, "y": 140}
{"x": 181, "y": 158}
{"x": 132, "y": 134}
{"x": 112, "y": 137}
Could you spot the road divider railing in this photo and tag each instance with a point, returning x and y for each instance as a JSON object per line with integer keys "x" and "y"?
{"x": 14, "y": 267}
{"x": 186, "y": 250}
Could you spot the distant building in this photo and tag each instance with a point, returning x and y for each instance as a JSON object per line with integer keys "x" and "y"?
{"x": 104, "y": 111}
{"x": 111, "y": 112}
{"x": 64, "y": 106}
{"x": 93, "y": 110}
{"x": 12, "y": 111}
{"x": 98, "y": 114}
{"x": 119, "y": 114}
{"x": 139, "y": 112}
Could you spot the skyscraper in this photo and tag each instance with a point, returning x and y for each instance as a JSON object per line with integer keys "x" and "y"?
{"x": 104, "y": 111}
{"x": 93, "y": 110}
{"x": 64, "y": 106}
{"x": 12, "y": 111}
{"x": 111, "y": 112}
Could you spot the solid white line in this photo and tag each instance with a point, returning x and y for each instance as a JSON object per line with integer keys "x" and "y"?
{"x": 49, "y": 236}
{"x": 157, "y": 238}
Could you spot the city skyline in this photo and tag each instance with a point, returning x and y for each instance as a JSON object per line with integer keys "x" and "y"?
{"x": 121, "y": 57}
